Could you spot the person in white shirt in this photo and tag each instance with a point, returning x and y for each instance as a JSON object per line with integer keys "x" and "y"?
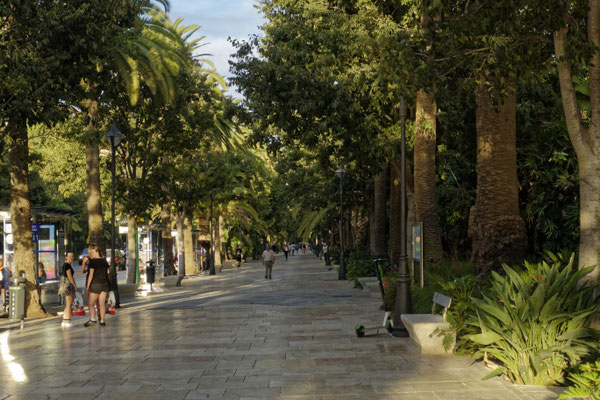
{"x": 326, "y": 253}
{"x": 268, "y": 259}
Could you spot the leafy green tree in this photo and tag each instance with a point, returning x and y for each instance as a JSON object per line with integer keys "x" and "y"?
{"x": 41, "y": 45}
{"x": 576, "y": 47}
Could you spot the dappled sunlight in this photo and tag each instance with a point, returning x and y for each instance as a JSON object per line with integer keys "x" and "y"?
{"x": 15, "y": 368}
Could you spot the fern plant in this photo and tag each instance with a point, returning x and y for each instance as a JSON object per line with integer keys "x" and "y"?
{"x": 586, "y": 383}
{"x": 535, "y": 322}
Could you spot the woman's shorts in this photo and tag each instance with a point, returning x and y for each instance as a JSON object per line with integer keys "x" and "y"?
{"x": 98, "y": 288}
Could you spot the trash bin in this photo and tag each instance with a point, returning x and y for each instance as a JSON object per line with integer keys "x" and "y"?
{"x": 150, "y": 273}
{"x": 16, "y": 308}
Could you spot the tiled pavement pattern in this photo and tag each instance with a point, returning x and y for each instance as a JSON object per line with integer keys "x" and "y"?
{"x": 238, "y": 336}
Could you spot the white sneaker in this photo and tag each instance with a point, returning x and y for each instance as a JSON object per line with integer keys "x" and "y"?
{"x": 65, "y": 324}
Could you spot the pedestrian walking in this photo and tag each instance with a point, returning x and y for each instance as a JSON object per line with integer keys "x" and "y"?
{"x": 286, "y": 250}
{"x": 97, "y": 286}
{"x": 268, "y": 259}
{"x": 238, "y": 256}
{"x": 67, "y": 289}
{"x": 326, "y": 253}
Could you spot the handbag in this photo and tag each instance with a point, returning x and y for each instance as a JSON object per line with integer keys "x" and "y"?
{"x": 65, "y": 287}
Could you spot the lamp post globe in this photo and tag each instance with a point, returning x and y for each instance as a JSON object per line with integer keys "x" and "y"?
{"x": 340, "y": 172}
{"x": 114, "y": 137}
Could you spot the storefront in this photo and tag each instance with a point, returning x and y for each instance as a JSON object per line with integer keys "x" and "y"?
{"x": 50, "y": 231}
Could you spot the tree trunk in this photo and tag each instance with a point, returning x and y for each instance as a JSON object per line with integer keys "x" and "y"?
{"x": 425, "y": 175}
{"x": 92, "y": 169}
{"x": 495, "y": 226}
{"x": 395, "y": 227}
{"x": 167, "y": 239}
{"x": 131, "y": 250}
{"x": 188, "y": 246}
{"x": 378, "y": 229}
{"x": 395, "y": 211}
{"x": 94, "y": 198}
{"x": 20, "y": 215}
{"x": 586, "y": 142}
{"x": 218, "y": 239}
{"x": 180, "y": 244}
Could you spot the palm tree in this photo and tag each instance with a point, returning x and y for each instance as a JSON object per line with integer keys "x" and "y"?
{"x": 425, "y": 174}
{"x": 495, "y": 226}
{"x": 154, "y": 57}
{"x": 377, "y": 214}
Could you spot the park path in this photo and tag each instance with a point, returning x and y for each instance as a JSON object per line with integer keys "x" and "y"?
{"x": 238, "y": 336}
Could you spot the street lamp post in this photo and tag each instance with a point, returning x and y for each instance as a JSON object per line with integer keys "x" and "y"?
{"x": 342, "y": 272}
{"x": 114, "y": 137}
{"x": 403, "y": 300}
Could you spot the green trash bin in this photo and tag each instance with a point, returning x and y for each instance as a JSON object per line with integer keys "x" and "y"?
{"x": 16, "y": 306}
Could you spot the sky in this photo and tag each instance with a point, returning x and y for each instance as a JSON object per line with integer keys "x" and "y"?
{"x": 218, "y": 20}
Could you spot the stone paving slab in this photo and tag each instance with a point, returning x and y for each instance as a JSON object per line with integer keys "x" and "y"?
{"x": 238, "y": 336}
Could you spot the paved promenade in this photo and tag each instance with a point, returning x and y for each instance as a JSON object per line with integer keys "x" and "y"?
{"x": 238, "y": 336}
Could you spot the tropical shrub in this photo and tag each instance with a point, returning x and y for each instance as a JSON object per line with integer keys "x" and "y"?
{"x": 535, "y": 322}
{"x": 435, "y": 278}
{"x": 586, "y": 382}
{"x": 462, "y": 314}
{"x": 358, "y": 265}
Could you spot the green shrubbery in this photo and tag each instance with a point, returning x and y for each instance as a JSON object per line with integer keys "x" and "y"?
{"x": 535, "y": 321}
{"x": 462, "y": 315}
{"x": 435, "y": 278}
{"x": 358, "y": 265}
{"x": 586, "y": 382}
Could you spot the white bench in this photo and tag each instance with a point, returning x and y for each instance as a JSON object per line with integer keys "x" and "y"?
{"x": 229, "y": 264}
{"x": 127, "y": 290}
{"x": 421, "y": 327}
{"x": 172, "y": 280}
{"x": 363, "y": 281}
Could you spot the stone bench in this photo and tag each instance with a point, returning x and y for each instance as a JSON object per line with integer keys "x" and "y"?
{"x": 229, "y": 264}
{"x": 127, "y": 290}
{"x": 172, "y": 280}
{"x": 363, "y": 281}
{"x": 421, "y": 328}
{"x": 374, "y": 289}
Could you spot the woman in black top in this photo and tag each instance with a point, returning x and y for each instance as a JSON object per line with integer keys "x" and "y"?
{"x": 97, "y": 286}
{"x": 70, "y": 290}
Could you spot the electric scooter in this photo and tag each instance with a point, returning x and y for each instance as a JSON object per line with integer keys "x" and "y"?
{"x": 387, "y": 324}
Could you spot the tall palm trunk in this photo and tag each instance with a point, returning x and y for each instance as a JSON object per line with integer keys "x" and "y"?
{"x": 219, "y": 240}
{"x": 586, "y": 142}
{"x": 495, "y": 226}
{"x": 180, "y": 243}
{"x": 131, "y": 248}
{"x": 20, "y": 215}
{"x": 425, "y": 185}
{"x": 167, "y": 239}
{"x": 92, "y": 169}
{"x": 94, "y": 198}
{"x": 188, "y": 246}
{"x": 377, "y": 221}
{"x": 395, "y": 210}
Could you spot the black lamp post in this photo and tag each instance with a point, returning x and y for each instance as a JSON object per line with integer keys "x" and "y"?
{"x": 114, "y": 137}
{"x": 403, "y": 300}
{"x": 342, "y": 272}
